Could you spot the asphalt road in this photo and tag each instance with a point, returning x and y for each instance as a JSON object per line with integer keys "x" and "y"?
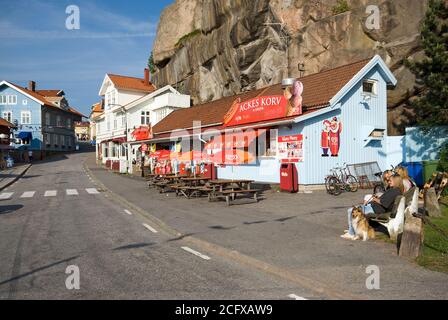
{"x": 54, "y": 218}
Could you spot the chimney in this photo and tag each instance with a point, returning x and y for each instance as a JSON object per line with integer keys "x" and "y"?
{"x": 147, "y": 76}
{"x": 32, "y": 86}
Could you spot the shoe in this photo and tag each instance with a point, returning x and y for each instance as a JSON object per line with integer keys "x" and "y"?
{"x": 347, "y": 236}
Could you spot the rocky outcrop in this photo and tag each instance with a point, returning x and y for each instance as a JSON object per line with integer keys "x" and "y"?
{"x": 215, "y": 48}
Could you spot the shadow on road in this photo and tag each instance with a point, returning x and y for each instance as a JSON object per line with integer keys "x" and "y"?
{"x": 9, "y": 209}
{"x": 48, "y": 266}
{"x": 135, "y": 246}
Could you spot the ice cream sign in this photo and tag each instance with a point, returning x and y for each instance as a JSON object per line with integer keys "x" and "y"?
{"x": 265, "y": 108}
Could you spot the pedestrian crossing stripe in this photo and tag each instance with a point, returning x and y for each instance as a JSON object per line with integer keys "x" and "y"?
{"x": 48, "y": 193}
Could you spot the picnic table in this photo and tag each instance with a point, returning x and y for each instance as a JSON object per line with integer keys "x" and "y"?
{"x": 229, "y": 189}
{"x": 190, "y": 186}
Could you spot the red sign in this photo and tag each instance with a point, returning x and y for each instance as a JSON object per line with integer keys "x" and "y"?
{"x": 142, "y": 133}
{"x": 232, "y": 157}
{"x": 233, "y": 140}
{"x": 290, "y": 148}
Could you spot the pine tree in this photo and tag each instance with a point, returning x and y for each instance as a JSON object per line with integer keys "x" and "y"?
{"x": 151, "y": 64}
{"x": 431, "y": 107}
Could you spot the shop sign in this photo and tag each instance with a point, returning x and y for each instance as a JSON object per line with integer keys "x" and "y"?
{"x": 266, "y": 107}
{"x": 290, "y": 148}
{"x": 142, "y": 133}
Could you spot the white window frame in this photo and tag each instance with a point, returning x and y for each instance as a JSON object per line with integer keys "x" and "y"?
{"x": 25, "y": 102}
{"x": 25, "y": 115}
{"x": 12, "y": 99}
{"x": 3, "y": 99}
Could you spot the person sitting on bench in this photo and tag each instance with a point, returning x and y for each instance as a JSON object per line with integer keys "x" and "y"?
{"x": 377, "y": 206}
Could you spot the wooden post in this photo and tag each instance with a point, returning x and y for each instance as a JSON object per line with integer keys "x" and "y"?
{"x": 431, "y": 203}
{"x": 412, "y": 239}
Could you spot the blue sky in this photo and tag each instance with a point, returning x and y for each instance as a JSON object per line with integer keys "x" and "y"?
{"x": 115, "y": 36}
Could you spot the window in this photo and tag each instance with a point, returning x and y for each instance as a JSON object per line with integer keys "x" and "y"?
{"x": 12, "y": 99}
{"x": 69, "y": 123}
{"x": 115, "y": 124}
{"x": 47, "y": 139}
{"x": 267, "y": 143}
{"x": 25, "y": 117}
{"x": 25, "y": 102}
{"x": 161, "y": 114}
{"x": 3, "y": 99}
{"x": 7, "y": 115}
{"x": 47, "y": 119}
{"x": 123, "y": 121}
{"x": 369, "y": 87}
{"x": 58, "y": 121}
{"x": 145, "y": 118}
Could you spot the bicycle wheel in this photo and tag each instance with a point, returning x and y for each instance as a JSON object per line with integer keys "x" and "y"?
{"x": 352, "y": 183}
{"x": 334, "y": 186}
{"x": 327, "y": 184}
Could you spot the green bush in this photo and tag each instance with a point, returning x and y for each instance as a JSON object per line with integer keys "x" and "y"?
{"x": 443, "y": 163}
{"x": 340, "y": 7}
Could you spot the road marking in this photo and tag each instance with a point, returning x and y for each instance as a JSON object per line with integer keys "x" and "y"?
{"x": 92, "y": 191}
{"x": 6, "y": 195}
{"x": 28, "y": 194}
{"x": 72, "y": 192}
{"x": 203, "y": 256}
{"x": 128, "y": 212}
{"x": 150, "y": 228}
{"x": 296, "y": 297}
{"x": 50, "y": 193}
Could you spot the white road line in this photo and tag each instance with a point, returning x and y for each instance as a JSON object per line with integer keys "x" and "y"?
{"x": 150, "y": 228}
{"x": 92, "y": 191}
{"x": 28, "y": 194}
{"x": 203, "y": 256}
{"x": 72, "y": 192}
{"x": 128, "y": 212}
{"x": 296, "y": 297}
{"x": 50, "y": 193}
{"x": 6, "y": 195}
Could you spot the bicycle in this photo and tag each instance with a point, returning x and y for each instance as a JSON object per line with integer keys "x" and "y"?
{"x": 341, "y": 180}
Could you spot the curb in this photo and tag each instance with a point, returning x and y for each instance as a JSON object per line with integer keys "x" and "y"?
{"x": 233, "y": 255}
{"x": 17, "y": 177}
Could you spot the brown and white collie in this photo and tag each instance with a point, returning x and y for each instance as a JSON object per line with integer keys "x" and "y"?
{"x": 361, "y": 225}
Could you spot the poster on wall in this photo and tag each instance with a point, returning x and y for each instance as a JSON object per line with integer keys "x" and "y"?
{"x": 265, "y": 108}
{"x": 290, "y": 148}
{"x": 331, "y": 137}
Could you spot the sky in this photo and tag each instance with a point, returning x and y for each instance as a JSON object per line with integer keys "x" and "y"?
{"x": 114, "y": 37}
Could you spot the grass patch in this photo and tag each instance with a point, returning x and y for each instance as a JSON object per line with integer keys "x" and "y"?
{"x": 340, "y": 7}
{"x": 187, "y": 37}
{"x": 435, "y": 249}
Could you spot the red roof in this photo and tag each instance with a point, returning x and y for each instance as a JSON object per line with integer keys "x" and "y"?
{"x": 320, "y": 88}
{"x": 131, "y": 83}
{"x": 49, "y": 93}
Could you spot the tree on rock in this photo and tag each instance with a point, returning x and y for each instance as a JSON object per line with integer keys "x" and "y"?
{"x": 431, "y": 106}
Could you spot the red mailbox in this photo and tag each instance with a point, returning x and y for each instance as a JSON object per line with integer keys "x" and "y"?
{"x": 289, "y": 178}
{"x": 182, "y": 169}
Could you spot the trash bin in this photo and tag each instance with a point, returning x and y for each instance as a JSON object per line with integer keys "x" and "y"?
{"x": 429, "y": 167}
{"x": 289, "y": 178}
{"x": 210, "y": 171}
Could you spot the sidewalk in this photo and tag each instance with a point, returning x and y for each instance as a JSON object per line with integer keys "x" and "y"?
{"x": 11, "y": 175}
{"x": 298, "y": 233}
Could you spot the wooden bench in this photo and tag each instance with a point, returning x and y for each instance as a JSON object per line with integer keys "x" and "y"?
{"x": 230, "y": 195}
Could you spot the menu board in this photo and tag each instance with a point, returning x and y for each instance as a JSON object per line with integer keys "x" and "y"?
{"x": 290, "y": 148}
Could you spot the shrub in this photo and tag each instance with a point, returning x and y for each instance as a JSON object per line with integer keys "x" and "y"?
{"x": 340, "y": 7}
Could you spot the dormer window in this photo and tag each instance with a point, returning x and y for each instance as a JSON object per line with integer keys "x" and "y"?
{"x": 369, "y": 87}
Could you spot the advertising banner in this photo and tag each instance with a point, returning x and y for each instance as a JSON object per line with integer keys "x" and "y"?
{"x": 290, "y": 148}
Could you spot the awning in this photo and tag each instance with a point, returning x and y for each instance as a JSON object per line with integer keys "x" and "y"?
{"x": 119, "y": 140}
{"x": 233, "y": 140}
{"x": 25, "y": 135}
{"x": 232, "y": 157}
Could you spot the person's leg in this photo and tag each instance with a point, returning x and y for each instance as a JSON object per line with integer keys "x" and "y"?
{"x": 351, "y": 231}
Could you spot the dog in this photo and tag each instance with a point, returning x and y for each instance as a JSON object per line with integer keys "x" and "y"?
{"x": 361, "y": 225}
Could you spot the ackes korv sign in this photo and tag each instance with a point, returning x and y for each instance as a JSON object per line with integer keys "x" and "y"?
{"x": 265, "y": 108}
